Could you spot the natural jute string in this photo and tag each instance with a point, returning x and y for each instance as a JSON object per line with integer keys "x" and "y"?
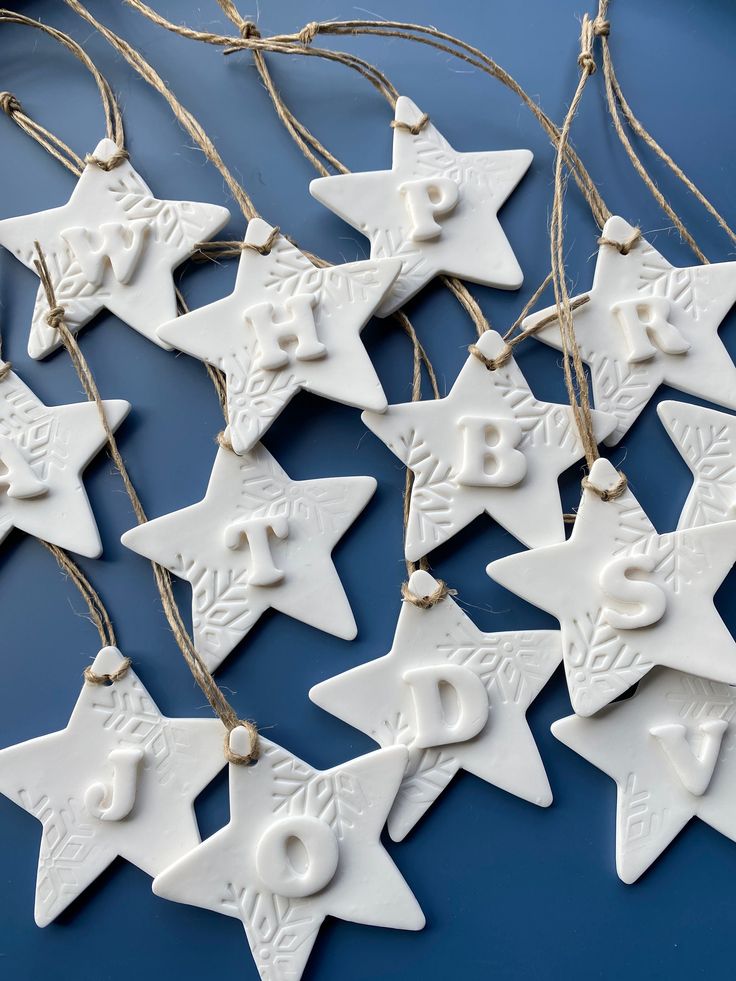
{"x": 55, "y": 146}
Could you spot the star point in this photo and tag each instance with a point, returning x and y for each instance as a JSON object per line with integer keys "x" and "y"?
{"x": 114, "y": 246}
{"x": 493, "y": 679}
{"x": 436, "y": 209}
{"x": 257, "y": 540}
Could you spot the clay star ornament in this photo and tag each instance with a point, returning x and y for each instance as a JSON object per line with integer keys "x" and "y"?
{"x": 120, "y": 780}
{"x": 647, "y": 323}
{"x": 43, "y": 451}
{"x": 302, "y": 844}
{"x": 435, "y": 210}
{"x": 257, "y": 540}
{"x": 489, "y": 446}
{"x": 706, "y": 439}
{"x": 114, "y": 246}
{"x": 287, "y": 325}
{"x": 670, "y": 749}
{"x": 440, "y": 658}
{"x": 627, "y": 597}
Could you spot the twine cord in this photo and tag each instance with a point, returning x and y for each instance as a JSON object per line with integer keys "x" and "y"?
{"x": 11, "y": 106}
{"x": 431, "y": 599}
{"x": 199, "y": 670}
{"x": 97, "y": 612}
{"x": 107, "y": 679}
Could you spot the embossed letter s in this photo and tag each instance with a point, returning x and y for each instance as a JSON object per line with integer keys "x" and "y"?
{"x": 648, "y": 596}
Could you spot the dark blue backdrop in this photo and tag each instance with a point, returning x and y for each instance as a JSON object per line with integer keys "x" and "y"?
{"x": 509, "y": 890}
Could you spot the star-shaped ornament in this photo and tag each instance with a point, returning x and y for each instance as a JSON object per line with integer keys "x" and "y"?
{"x": 455, "y": 697}
{"x": 120, "y": 780}
{"x": 257, "y": 540}
{"x": 114, "y": 246}
{"x": 436, "y": 209}
{"x": 287, "y": 325}
{"x": 646, "y": 323}
{"x": 670, "y": 749}
{"x": 628, "y": 598}
{"x": 302, "y": 844}
{"x": 43, "y": 451}
{"x": 489, "y": 446}
{"x": 706, "y": 438}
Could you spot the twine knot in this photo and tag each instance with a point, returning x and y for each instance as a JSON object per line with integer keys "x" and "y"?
{"x": 611, "y": 493}
{"x": 266, "y": 247}
{"x": 587, "y": 35}
{"x": 6, "y": 367}
{"x": 243, "y": 759}
{"x": 55, "y": 316}
{"x": 432, "y": 599}
{"x": 309, "y": 32}
{"x": 414, "y": 128}
{"x": 107, "y": 679}
{"x": 249, "y": 30}
{"x": 601, "y": 27}
{"x": 9, "y": 104}
{"x": 111, "y": 163}
{"x": 623, "y": 247}
{"x": 492, "y": 363}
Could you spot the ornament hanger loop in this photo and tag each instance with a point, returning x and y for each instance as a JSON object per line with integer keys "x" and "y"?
{"x": 242, "y": 745}
{"x": 107, "y": 679}
{"x": 610, "y": 493}
{"x": 623, "y": 247}
{"x": 414, "y": 128}
{"x": 492, "y": 363}
{"x": 432, "y": 599}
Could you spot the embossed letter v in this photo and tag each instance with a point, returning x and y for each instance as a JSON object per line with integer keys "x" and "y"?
{"x": 694, "y": 770}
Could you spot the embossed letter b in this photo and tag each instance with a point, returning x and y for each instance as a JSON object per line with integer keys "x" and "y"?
{"x": 490, "y": 457}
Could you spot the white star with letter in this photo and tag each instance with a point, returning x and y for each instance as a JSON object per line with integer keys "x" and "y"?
{"x": 493, "y": 679}
{"x": 257, "y": 540}
{"x": 113, "y": 245}
{"x": 628, "y": 598}
{"x": 287, "y": 325}
{"x": 302, "y": 844}
{"x": 670, "y": 749}
{"x": 436, "y": 209}
{"x": 121, "y": 779}
{"x": 706, "y": 439}
{"x": 647, "y": 323}
{"x": 489, "y": 446}
{"x": 43, "y": 451}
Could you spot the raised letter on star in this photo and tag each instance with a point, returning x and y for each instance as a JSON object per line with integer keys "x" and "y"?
{"x": 628, "y": 598}
{"x": 287, "y": 325}
{"x": 493, "y": 678}
{"x": 257, "y": 540}
{"x": 112, "y": 246}
{"x": 490, "y": 446}
{"x": 670, "y": 749}
{"x": 43, "y": 451}
{"x": 121, "y": 779}
{"x": 302, "y": 844}
{"x": 648, "y": 323}
{"x": 435, "y": 210}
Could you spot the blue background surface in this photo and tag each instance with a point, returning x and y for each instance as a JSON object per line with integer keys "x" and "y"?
{"x": 509, "y": 890}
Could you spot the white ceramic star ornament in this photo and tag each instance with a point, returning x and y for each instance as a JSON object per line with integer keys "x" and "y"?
{"x": 489, "y": 446}
{"x": 628, "y": 598}
{"x": 43, "y": 451}
{"x": 455, "y": 697}
{"x": 257, "y": 540}
{"x": 706, "y": 439}
{"x": 121, "y": 779}
{"x": 114, "y": 246}
{"x": 647, "y": 323}
{"x": 670, "y": 749}
{"x": 435, "y": 210}
{"x": 287, "y": 325}
{"x": 302, "y": 844}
